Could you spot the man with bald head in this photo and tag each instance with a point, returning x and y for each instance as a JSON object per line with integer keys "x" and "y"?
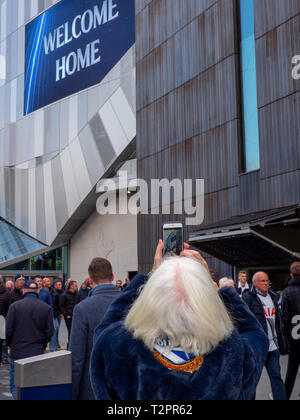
{"x": 9, "y": 285}
{"x": 264, "y": 305}
{"x": 44, "y": 294}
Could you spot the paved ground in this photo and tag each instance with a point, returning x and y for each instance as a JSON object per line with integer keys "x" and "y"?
{"x": 4, "y": 383}
{"x": 264, "y": 387}
{"x": 263, "y": 390}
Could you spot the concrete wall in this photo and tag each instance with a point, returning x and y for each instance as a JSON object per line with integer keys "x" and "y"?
{"x": 113, "y": 237}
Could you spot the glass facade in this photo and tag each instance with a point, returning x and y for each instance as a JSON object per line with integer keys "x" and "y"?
{"x": 49, "y": 261}
{"x": 14, "y": 243}
{"x": 52, "y": 263}
{"x": 251, "y": 154}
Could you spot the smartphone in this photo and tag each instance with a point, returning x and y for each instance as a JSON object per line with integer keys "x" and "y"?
{"x": 173, "y": 238}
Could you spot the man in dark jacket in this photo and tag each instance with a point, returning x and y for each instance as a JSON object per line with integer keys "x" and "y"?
{"x": 4, "y": 298}
{"x": 291, "y": 319}
{"x": 4, "y": 304}
{"x": 87, "y": 316}
{"x": 17, "y": 294}
{"x": 68, "y": 302}
{"x": 29, "y": 327}
{"x": 56, "y": 294}
{"x": 263, "y": 303}
{"x": 243, "y": 286}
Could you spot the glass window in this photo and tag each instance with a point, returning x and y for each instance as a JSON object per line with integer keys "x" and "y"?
{"x": 251, "y": 154}
{"x": 19, "y": 267}
{"x": 49, "y": 261}
{"x": 14, "y": 243}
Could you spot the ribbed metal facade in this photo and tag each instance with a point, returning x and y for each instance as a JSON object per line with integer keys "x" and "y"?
{"x": 51, "y": 160}
{"x": 189, "y": 112}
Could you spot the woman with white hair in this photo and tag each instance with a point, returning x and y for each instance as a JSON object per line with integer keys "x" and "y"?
{"x": 174, "y": 336}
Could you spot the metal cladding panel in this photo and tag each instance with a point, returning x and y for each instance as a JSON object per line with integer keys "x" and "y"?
{"x": 189, "y": 113}
{"x": 46, "y": 154}
{"x": 45, "y": 370}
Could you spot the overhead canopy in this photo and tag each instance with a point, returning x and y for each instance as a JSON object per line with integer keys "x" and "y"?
{"x": 256, "y": 240}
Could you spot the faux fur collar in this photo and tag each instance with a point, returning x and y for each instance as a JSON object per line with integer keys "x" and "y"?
{"x": 131, "y": 370}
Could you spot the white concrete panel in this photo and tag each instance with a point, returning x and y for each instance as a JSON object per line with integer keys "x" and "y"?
{"x": 3, "y": 26}
{"x": 106, "y": 89}
{"x": 124, "y": 112}
{"x": 31, "y": 203}
{"x": 33, "y": 8}
{"x": 93, "y": 102}
{"x": 51, "y": 229}
{"x": 20, "y": 97}
{"x": 2, "y": 193}
{"x": 80, "y": 169}
{"x": 1, "y": 150}
{"x": 72, "y": 194}
{"x": 24, "y": 139}
{"x": 24, "y": 165}
{"x": 18, "y": 198}
{"x": 73, "y": 118}
{"x": 2, "y": 63}
{"x": 100, "y": 236}
{"x": 13, "y": 101}
{"x": 39, "y": 121}
{"x": 113, "y": 128}
{"x": 115, "y": 73}
{"x": 2, "y": 106}
{"x": 21, "y": 11}
{"x": 21, "y": 51}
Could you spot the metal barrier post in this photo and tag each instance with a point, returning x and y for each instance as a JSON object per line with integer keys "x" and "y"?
{"x": 45, "y": 377}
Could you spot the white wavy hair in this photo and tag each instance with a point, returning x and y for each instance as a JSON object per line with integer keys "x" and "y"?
{"x": 180, "y": 303}
{"x": 226, "y": 282}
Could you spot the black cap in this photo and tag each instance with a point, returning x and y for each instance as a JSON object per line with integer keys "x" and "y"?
{"x": 57, "y": 281}
{"x": 31, "y": 285}
{"x": 19, "y": 276}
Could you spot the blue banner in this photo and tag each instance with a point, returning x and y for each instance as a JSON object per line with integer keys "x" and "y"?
{"x": 73, "y": 46}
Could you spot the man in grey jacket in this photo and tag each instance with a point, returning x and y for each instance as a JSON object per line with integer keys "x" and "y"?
{"x": 86, "y": 317}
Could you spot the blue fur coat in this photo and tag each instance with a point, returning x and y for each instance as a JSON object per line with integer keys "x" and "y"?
{"x": 122, "y": 368}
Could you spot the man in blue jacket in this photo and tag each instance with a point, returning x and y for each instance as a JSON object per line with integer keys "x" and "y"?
{"x": 44, "y": 294}
{"x": 29, "y": 327}
{"x": 86, "y": 317}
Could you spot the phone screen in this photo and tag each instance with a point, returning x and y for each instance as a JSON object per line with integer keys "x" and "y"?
{"x": 173, "y": 241}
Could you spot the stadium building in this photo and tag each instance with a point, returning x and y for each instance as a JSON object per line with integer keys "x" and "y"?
{"x": 167, "y": 89}
{"x": 67, "y": 120}
{"x": 217, "y": 100}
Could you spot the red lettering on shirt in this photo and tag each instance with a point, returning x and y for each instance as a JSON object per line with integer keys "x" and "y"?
{"x": 269, "y": 313}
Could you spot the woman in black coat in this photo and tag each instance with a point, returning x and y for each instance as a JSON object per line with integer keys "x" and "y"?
{"x": 174, "y": 339}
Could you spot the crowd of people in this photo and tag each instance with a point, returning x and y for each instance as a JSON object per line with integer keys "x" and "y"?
{"x": 29, "y": 328}
{"x": 177, "y": 333}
